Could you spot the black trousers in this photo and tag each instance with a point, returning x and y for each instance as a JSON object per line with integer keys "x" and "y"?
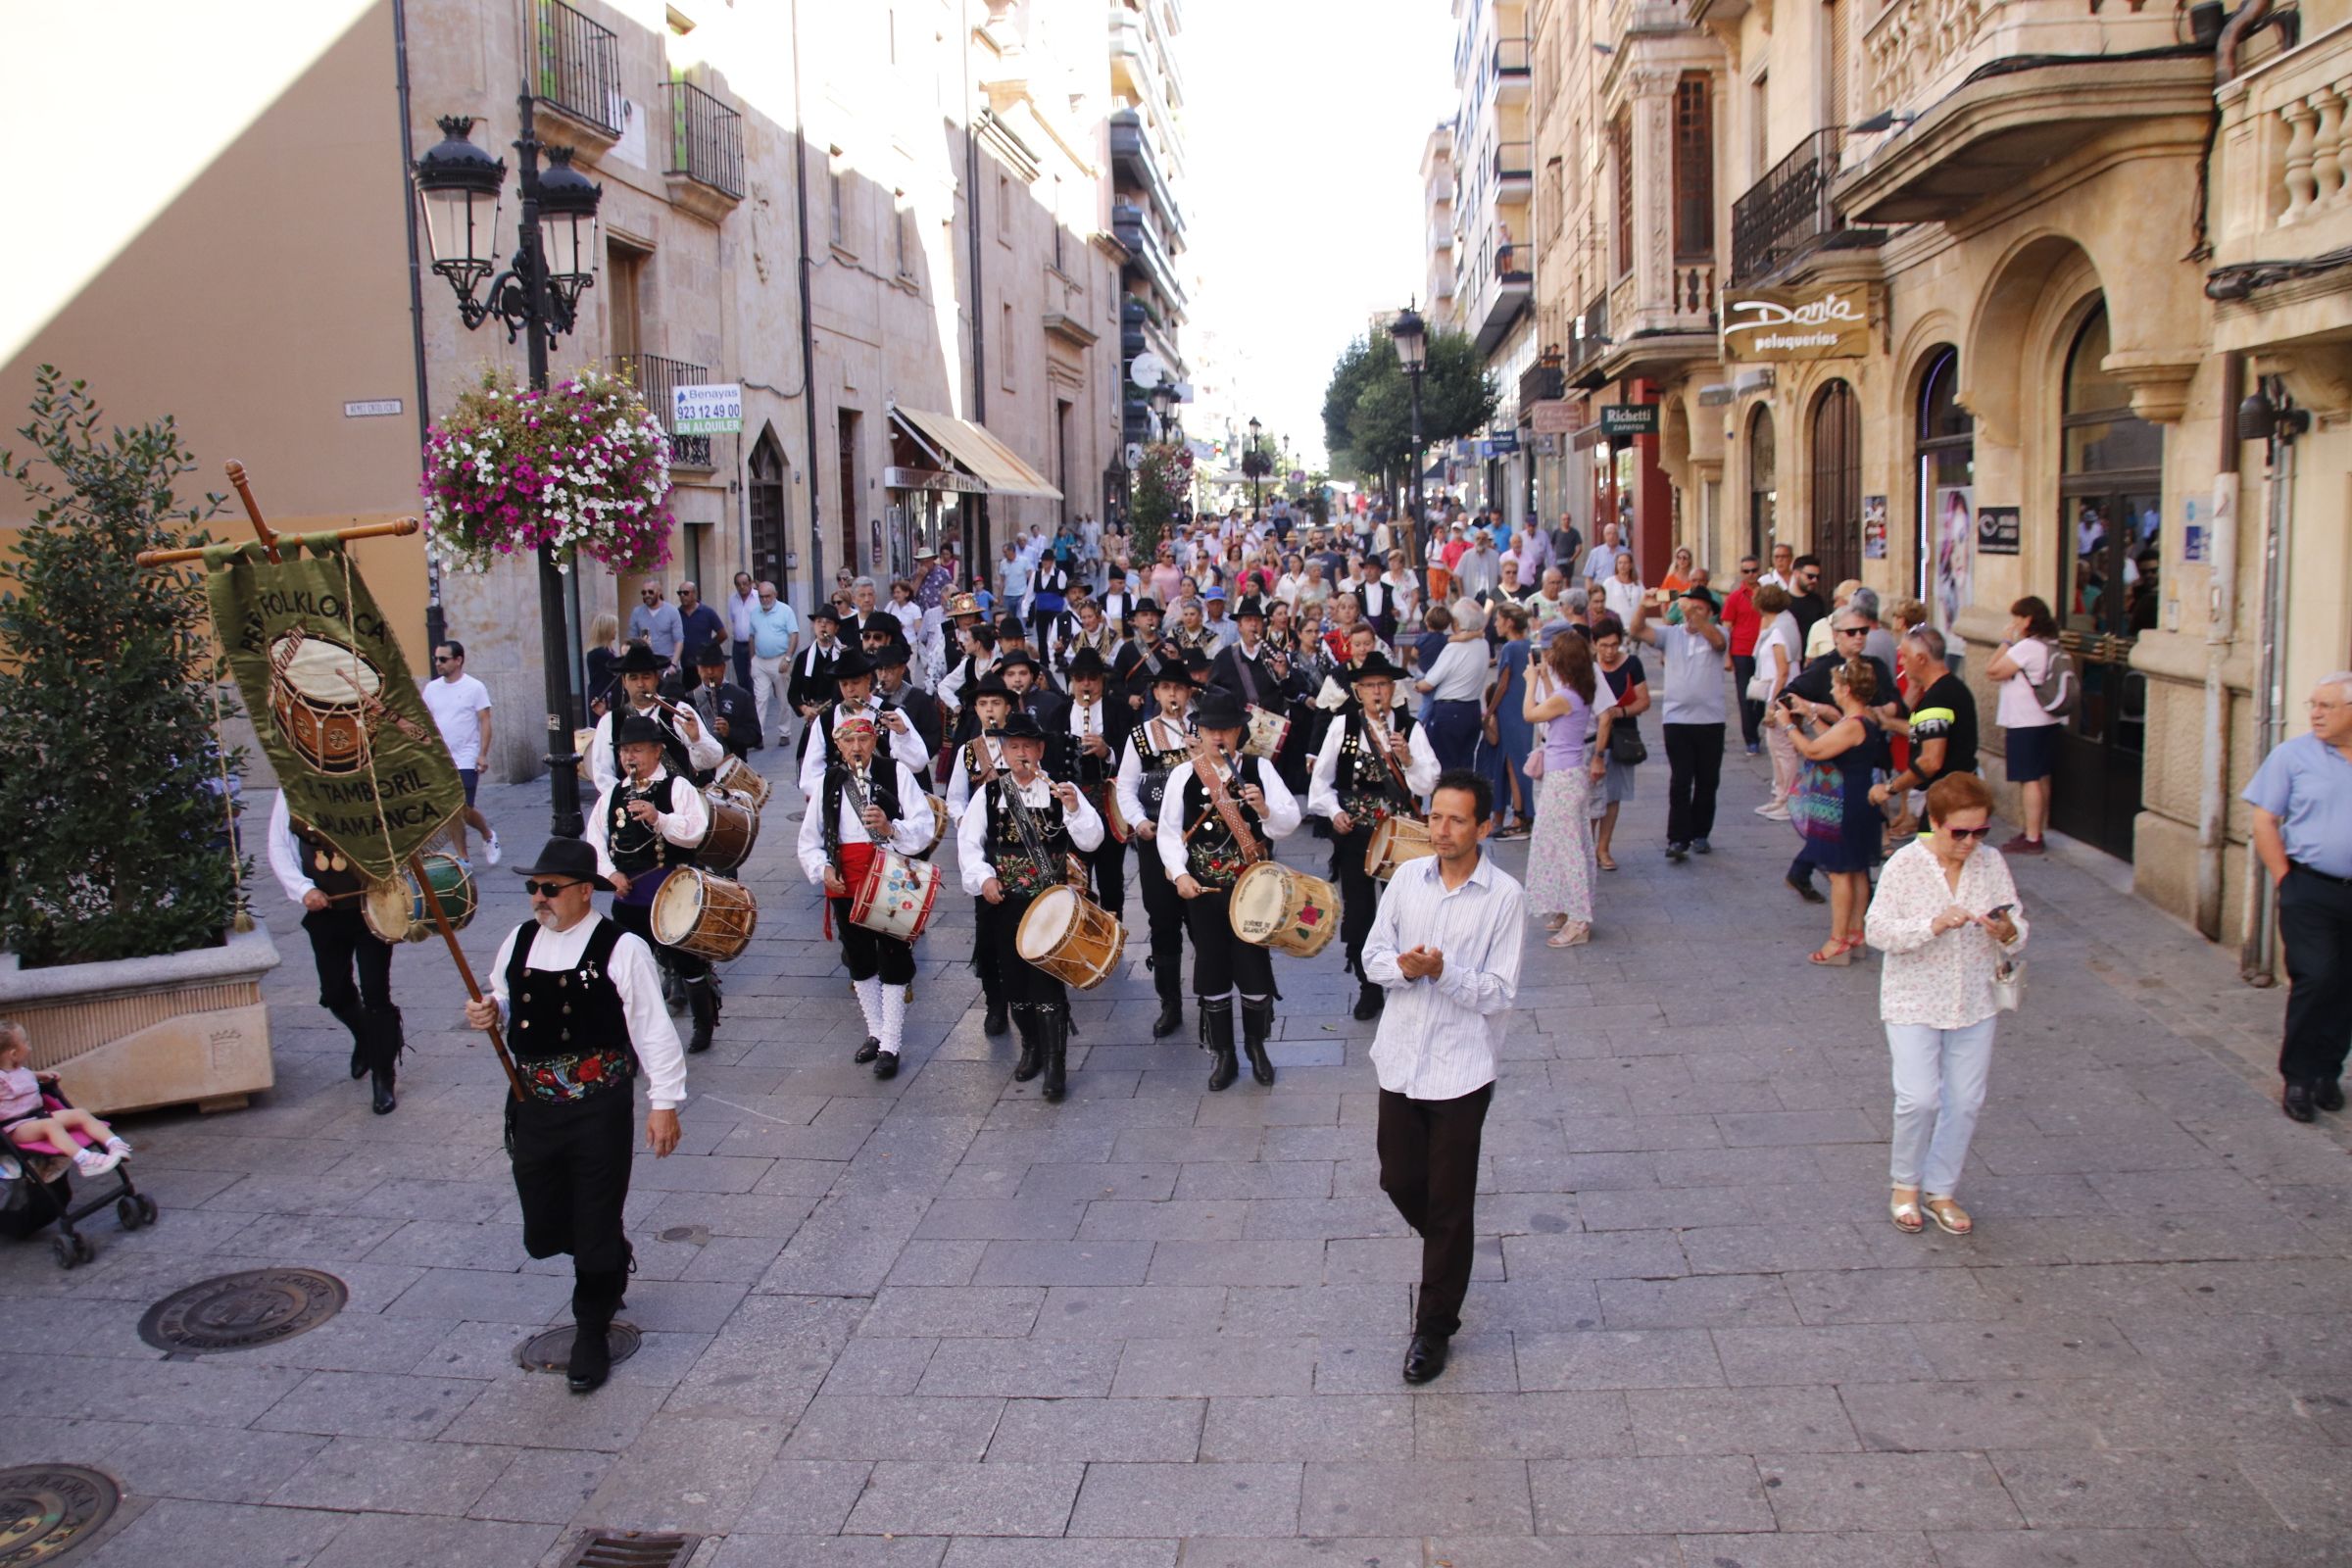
{"x": 869, "y": 953}
{"x": 1428, "y": 1168}
{"x": 1359, "y": 894}
{"x": 638, "y": 917}
{"x": 984, "y": 952}
{"x": 341, "y": 943}
{"x": 2315, "y": 921}
{"x": 1163, "y": 908}
{"x": 1106, "y": 866}
{"x": 572, "y": 1172}
{"x": 1025, "y": 984}
{"x": 1222, "y": 961}
{"x": 1693, "y": 768}
{"x": 1751, "y": 714}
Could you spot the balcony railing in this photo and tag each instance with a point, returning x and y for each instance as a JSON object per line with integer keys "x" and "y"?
{"x": 656, "y": 379}
{"x": 1592, "y": 334}
{"x": 1510, "y": 67}
{"x": 1541, "y": 382}
{"x": 706, "y": 140}
{"x": 1789, "y": 212}
{"x": 1514, "y": 265}
{"x": 1132, "y": 154}
{"x": 579, "y": 67}
{"x": 1514, "y": 160}
{"x": 2283, "y": 171}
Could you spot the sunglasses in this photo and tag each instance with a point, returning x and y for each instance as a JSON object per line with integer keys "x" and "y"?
{"x": 544, "y": 890}
{"x": 1966, "y": 832}
{"x": 447, "y": 659}
{"x": 1852, "y": 631}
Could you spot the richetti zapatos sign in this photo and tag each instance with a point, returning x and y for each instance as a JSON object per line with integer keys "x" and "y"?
{"x": 1771, "y": 325}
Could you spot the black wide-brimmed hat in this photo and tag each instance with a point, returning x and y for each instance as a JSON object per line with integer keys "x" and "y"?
{"x": 1146, "y": 606}
{"x": 707, "y": 655}
{"x": 1087, "y": 664}
{"x": 573, "y": 860}
{"x": 892, "y": 655}
{"x": 1252, "y": 605}
{"x": 1019, "y": 656}
{"x": 638, "y": 730}
{"x": 1375, "y": 666}
{"x": 992, "y": 684}
{"x": 823, "y": 609}
{"x": 1191, "y": 673}
{"x": 1010, "y": 626}
{"x": 849, "y": 663}
{"x": 1022, "y": 725}
{"x": 1219, "y": 709}
{"x": 641, "y": 660}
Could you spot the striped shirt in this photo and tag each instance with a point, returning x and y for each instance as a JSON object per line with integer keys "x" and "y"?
{"x": 1439, "y": 1036}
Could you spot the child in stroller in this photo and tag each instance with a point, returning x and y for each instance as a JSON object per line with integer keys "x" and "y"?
{"x": 32, "y": 1113}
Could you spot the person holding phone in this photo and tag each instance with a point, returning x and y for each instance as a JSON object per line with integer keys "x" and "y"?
{"x": 1946, "y": 916}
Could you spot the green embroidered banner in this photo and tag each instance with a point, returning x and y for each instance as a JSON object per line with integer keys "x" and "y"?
{"x": 356, "y": 750}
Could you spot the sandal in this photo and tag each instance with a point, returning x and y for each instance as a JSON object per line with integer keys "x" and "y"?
{"x": 1856, "y": 942}
{"x": 1555, "y": 921}
{"x": 1950, "y": 1217}
{"x": 1905, "y": 1212}
{"x": 1604, "y": 862}
{"x": 1575, "y": 934}
{"x": 1837, "y": 953}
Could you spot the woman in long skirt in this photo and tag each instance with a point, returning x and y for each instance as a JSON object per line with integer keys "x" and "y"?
{"x": 1564, "y": 695}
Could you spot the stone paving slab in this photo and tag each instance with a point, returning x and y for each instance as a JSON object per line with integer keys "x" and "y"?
{"x": 940, "y": 1323}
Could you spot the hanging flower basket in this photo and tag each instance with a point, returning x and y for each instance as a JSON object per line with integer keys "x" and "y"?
{"x": 583, "y": 467}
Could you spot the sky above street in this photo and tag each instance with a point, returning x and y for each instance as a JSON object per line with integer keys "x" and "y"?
{"x": 1304, "y": 123}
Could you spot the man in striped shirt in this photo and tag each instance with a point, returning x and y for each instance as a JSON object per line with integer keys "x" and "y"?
{"x": 1445, "y": 948}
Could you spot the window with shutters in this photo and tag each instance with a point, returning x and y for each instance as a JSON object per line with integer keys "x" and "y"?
{"x": 1693, "y": 169}
{"x": 1620, "y": 148}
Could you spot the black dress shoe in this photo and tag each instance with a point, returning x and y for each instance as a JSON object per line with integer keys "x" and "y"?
{"x": 591, "y": 1359}
{"x": 1805, "y": 890}
{"x": 2328, "y": 1095}
{"x": 358, "y": 1063}
{"x": 1369, "y": 1001}
{"x": 1425, "y": 1357}
{"x": 1678, "y": 852}
{"x": 886, "y": 1065}
{"x": 865, "y": 1052}
{"x": 2298, "y": 1103}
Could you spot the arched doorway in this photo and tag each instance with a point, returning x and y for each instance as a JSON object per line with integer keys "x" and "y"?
{"x": 1763, "y": 485}
{"x": 1837, "y": 451}
{"x": 764, "y": 501}
{"x": 1946, "y": 442}
{"x": 2111, "y": 513}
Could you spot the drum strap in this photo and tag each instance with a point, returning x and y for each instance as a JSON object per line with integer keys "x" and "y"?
{"x": 1404, "y": 791}
{"x": 1024, "y": 822}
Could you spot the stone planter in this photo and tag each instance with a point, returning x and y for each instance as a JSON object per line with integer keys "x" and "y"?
{"x": 186, "y": 1028}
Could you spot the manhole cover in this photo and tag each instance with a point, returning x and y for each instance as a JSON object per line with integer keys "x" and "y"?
{"x": 631, "y": 1548}
{"x": 48, "y": 1509}
{"x": 241, "y": 1311}
{"x": 551, "y": 1349}
{"x": 697, "y": 1234}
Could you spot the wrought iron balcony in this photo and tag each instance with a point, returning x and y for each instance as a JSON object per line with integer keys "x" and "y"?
{"x": 1514, "y": 170}
{"x": 1791, "y": 212}
{"x": 656, "y": 379}
{"x": 1510, "y": 68}
{"x": 1592, "y": 336}
{"x": 579, "y": 67}
{"x": 1541, "y": 382}
{"x": 1514, "y": 265}
{"x": 706, "y": 140}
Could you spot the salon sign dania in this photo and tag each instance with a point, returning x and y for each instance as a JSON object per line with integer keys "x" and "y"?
{"x": 1772, "y": 326}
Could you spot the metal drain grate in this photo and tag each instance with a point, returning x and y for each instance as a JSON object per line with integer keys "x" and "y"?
{"x": 631, "y": 1548}
{"x": 242, "y": 1311}
{"x": 550, "y": 1350}
{"x": 46, "y": 1510}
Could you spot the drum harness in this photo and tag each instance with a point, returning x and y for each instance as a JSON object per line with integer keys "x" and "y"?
{"x": 1211, "y": 771}
{"x": 1033, "y": 838}
{"x": 1377, "y": 736}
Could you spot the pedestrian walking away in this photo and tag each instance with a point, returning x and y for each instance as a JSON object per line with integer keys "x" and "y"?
{"x": 1455, "y": 684}
{"x": 460, "y": 708}
{"x": 1445, "y": 947}
{"x": 581, "y": 1003}
{"x": 1947, "y": 918}
{"x": 2302, "y": 800}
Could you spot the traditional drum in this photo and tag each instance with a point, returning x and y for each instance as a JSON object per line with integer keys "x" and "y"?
{"x": 738, "y": 777}
{"x": 1114, "y": 823}
{"x": 1395, "y": 841}
{"x": 939, "y": 825}
{"x": 584, "y": 742}
{"x": 1070, "y": 937}
{"x": 325, "y": 698}
{"x": 1276, "y": 907}
{"x": 396, "y": 911}
{"x": 708, "y": 917}
{"x": 896, "y": 895}
{"x": 734, "y": 829}
{"x": 1267, "y": 731}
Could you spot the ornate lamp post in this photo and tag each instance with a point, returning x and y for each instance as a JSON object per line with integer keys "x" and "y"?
{"x": 1412, "y": 353}
{"x": 1256, "y": 466}
{"x": 460, "y": 189}
{"x": 1163, "y": 404}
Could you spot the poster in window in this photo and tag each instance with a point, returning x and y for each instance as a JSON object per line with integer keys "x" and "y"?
{"x": 1874, "y": 527}
{"x": 1956, "y": 540}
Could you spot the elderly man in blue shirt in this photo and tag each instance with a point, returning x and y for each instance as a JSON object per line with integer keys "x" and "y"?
{"x": 2302, "y": 800}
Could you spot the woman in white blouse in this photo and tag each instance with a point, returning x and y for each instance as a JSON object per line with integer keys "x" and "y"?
{"x": 1404, "y": 590}
{"x": 1947, "y": 919}
{"x": 1622, "y": 592}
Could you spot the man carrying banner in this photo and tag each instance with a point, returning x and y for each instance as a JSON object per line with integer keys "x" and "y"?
{"x": 688, "y": 749}
{"x": 319, "y": 877}
{"x": 863, "y": 804}
{"x": 1374, "y": 764}
{"x": 643, "y": 828}
{"x": 581, "y": 1001}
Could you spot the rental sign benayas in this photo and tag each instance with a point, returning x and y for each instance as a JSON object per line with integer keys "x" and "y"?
{"x": 1772, "y": 326}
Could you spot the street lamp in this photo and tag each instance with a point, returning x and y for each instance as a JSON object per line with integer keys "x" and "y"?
{"x": 1412, "y": 353}
{"x": 460, "y": 189}
{"x": 1258, "y": 465}
{"x": 1163, "y": 404}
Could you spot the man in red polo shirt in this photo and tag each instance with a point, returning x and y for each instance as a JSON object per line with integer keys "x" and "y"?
{"x": 1742, "y": 622}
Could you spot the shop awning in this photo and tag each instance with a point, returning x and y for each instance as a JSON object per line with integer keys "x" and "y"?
{"x": 980, "y": 453}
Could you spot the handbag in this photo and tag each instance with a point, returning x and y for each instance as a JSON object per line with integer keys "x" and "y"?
{"x": 1817, "y": 804}
{"x": 1626, "y": 746}
{"x": 2009, "y": 985}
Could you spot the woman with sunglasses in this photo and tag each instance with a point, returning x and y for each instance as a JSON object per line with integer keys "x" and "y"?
{"x": 1946, "y": 916}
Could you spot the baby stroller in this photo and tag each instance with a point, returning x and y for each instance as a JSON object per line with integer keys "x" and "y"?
{"x": 36, "y": 1188}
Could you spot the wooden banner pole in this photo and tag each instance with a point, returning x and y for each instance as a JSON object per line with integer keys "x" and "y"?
{"x": 395, "y": 528}
{"x": 432, "y": 903}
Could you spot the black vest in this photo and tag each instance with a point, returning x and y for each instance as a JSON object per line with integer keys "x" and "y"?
{"x": 637, "y": 846}
{"x": 1159, "y": 766}
{"x": 882, "y": 787}
{"x": 1011, "y": 855}
{"x": 1210, "y": 854}
{"x": 568, "y": 1012}
{"x": 328, "y": 870}
{"x": 1360, "y": 770}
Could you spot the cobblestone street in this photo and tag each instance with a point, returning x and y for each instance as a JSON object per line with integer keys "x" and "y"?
{"x": 937, "y": 1321}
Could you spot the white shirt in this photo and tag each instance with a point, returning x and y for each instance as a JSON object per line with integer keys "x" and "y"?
{"x": 971, "y": 834}
{"x": 910, "y": 833}
{"x": 1323, "y": 784}
{"x": 1622, "y": 598}
{"x": 1945, "y": 981}
{"x": 905, "y": 744}
{"x": 739, "y": 615}
{"x": 1158, "y": 734}
{"x": 636, "y": 976}
{"x": 1280, "y": 818}
{"x": 457, "y": 707}
{"x": 1438, "y": 1037}
{"x": 603, "y": 766}
{"x": 285, "y": 852}
{"x": 959, "y": 781}
{"x": 2018, "y": 707}
{"x": 686, "y": 824}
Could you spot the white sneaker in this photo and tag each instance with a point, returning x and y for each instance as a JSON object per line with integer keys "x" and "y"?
{"x": 1772, "y": 814}
{"x": 118, "y": 1147}
{"x": 490, "y": 850}
{"x": 95, "y": 1161}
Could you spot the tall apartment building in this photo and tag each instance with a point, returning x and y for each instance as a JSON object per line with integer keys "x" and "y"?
{"x": 952, "y": 188}
{"x": 1146, "y": 161}
{"x": 1965, "y": 300}
{"x": 1438, "y": 295}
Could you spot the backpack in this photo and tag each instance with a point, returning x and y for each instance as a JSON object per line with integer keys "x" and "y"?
{"x": 2058, "y": 688}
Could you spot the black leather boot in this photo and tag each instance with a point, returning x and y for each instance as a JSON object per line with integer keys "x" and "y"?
{"x": 1257, "y": 1023}
{"x": 595, "y": 1297}
{"x": 703, "y": 1002}
{"x": 1033, "y": 1044}
{"x": 1369, "y": 1001}
{"x": 1172, "y": 1000}
{"x": 384, "y": 1044}
{"x": 1056, "y": 1026}
{"x": 997, "y": 1022}
{"x": 1216, "y": 1033}
{"x": 354, "y": 1019}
